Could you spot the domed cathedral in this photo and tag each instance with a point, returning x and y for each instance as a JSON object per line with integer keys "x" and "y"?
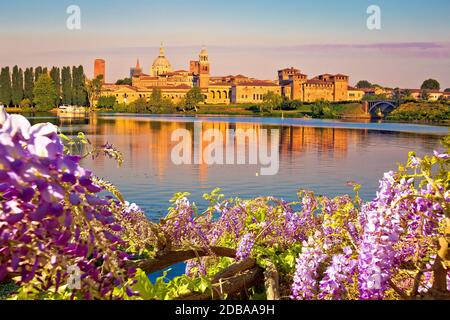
{"x": 160, "y": 65}
{"x": 175, "y": 84}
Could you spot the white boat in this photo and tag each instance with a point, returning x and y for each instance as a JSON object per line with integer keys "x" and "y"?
{"x": 70, "y": 111}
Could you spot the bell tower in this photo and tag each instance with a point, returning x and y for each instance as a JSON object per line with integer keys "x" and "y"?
{"x": 204, "y": 66}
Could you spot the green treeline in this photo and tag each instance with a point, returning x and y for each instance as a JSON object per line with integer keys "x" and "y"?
{"x": 422, "y": 111}
{"x": 40, "y": 89}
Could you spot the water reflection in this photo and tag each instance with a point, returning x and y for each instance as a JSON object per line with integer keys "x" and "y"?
{"x": 322, "y": 159}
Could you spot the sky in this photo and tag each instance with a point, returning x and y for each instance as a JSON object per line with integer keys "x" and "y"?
{"x": 251, "y": 37}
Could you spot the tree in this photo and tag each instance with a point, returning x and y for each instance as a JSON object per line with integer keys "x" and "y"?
{"x": 25, "y": 104}
{"x": 29, "y": 84}
{"x": 430, "y": 84}
{"x": 55, "y": 74}
{"x": 193, "y": 99}
{"x": 271, "y": 101}
{"x": 106, "y": 101}
{"x": 322, "y": 109}
{"x": 291, "y": 104}
{"x": 425, "y": 95}
{"x": 37, "y": 73}
{"x": 82, "y": 94}
{"x": 44, "y": 93}
{"x": 93, "y": 89}
{"x": 17, "y": 86}
{"x": 125, "y": 81}
{"x": 140, "y": 105}
{"x": 447, "y": 90}
{"x": 75, "y": 85}
{"x": 364, "y": 84}
{"x": 66, "y": 77}
{"x": 5, "y": 86}
{"x": 79, "y": 96}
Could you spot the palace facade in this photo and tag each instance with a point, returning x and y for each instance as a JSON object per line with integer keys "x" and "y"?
{"x": 235, "y": 89}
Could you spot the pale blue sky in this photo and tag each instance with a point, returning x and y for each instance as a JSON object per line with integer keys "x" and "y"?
{"x": 244, "y": 36}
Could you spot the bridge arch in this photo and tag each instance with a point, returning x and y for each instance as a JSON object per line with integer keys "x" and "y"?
{"x": 384, "y": 106}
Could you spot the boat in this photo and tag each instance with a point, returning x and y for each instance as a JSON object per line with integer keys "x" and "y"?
{"x": 71, "y": 111}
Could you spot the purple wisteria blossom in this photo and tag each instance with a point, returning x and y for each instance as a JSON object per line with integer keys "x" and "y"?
{"x": 47, "y": 199}
{"x": 305, "y": 285}
{"x": 245, "y": 247}
{"x": 338, "y": 276}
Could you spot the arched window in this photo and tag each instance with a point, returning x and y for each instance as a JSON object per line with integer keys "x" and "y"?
{"x": 225, "y": 95}
{"x": 219, "y": 95}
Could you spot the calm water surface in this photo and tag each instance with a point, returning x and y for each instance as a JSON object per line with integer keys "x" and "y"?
{"x": 317, "y": 155}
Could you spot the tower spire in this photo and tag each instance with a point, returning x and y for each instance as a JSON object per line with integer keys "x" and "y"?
{"x": 161, "y": 50}
{"x": 138, "y": 66}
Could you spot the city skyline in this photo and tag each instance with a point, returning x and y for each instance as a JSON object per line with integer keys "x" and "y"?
{"x": 256, "y": 40}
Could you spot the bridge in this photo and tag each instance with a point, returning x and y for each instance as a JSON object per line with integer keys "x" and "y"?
{"x": 377, "y": 106}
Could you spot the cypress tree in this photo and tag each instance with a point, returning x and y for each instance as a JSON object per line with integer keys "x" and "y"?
{"x": 17, "y": 86}
{"x": 5, "y": 86}
{"x": 37, "y": 73}
{"x": 66, "y": 86}
{"x": 75, "y": 84}
{"x": 79, "y": 95}
{"x": 56, "y": 77}
{"x": 82, "y": 94}
{"x": 29, "y": 84}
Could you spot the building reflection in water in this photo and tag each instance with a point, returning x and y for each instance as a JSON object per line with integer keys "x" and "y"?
{"x": 149, "y": 142}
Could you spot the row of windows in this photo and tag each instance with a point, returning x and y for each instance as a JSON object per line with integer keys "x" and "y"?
{"x": 219, "y": 94}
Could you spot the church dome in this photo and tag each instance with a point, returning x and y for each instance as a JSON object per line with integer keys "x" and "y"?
{"x": 204, "y": 51}
{"x": 161, "y": 64}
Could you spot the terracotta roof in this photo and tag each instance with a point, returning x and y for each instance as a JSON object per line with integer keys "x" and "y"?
{"x": 117, "y": 86}
{"x": 148, "y": 77}
{"x": 179, "y": 87}
{"x": 317, "y": 81}
{"x": 257, "y": 83}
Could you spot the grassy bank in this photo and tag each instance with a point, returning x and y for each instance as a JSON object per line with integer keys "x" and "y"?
{"x": 430, "y": 112}
{"x": 338, "y": 111}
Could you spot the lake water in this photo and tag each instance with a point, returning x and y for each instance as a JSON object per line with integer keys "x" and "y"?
{"x": 317, "y": 155}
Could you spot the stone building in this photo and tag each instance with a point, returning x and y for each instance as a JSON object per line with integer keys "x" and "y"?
{"x": 136, "y": 71}
{"x": 355, "y": 94}
{"x": 175, "y": 84}
{"x": 296, "y": 86}
{"x": 99, "y": 69}
{"x": 230, "y": 89}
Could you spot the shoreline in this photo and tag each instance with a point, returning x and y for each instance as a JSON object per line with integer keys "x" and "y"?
{"x": 294, "y": 114}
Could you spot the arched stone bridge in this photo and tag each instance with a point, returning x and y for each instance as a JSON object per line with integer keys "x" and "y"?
{"x": 385, "y": 106}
